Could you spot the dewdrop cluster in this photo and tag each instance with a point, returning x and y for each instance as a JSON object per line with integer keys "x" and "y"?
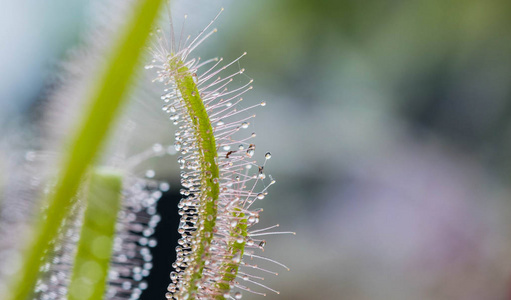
{"x": 131, "y": 260}
{"x": 56, "y": 272}
{"x": 17, "y": 209}
{"x": 214, "y": 241}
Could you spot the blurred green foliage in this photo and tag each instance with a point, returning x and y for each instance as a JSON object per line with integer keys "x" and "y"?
{"x": 440, "y": 66}
{"x": 106, "y": 98}
{"x": 94, "y": 250}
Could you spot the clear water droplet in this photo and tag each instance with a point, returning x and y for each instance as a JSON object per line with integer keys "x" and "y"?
{"x": 164, "y": 186}
{"x": 150, "y": 173}
{"x": 181, "y": 162}
{"x": 157, "y": 148}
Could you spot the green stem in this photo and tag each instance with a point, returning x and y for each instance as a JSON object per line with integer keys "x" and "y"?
{"x": 207, "y": 145}
{"x": 92, "y": 259}
{"x": 210, "y": 174}
{"x": 108, "y": 95}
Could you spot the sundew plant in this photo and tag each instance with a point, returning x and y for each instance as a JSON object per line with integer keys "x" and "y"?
{"x": 94, "y": 230}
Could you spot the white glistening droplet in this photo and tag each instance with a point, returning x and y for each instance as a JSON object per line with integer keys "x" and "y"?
{"x": 157, "y": 148}
{"x": 164, "y": 186}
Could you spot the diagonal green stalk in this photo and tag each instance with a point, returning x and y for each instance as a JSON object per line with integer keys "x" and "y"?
{"x": 107, "y": 96}
{"x": 92, "y": 259}
{"x": 207, "y": 145}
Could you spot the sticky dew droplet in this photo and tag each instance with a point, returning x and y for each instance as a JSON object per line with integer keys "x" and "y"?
{"x": 150, "y": 173}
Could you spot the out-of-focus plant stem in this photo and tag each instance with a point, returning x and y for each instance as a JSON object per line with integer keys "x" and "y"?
{"x": 107, "y": 96}
{"x": 90, "y": 268}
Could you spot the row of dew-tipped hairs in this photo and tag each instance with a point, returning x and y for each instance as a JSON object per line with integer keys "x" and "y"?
{"x": 131, "y": 259}
{"x": 220, "y": 180}
{"x": 17, "y": 209}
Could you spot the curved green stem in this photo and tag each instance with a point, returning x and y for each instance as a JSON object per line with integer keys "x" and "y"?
{"x": 210, "y": 172}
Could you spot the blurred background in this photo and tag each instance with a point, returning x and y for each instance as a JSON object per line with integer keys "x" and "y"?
{"x": 389, "y": 124}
